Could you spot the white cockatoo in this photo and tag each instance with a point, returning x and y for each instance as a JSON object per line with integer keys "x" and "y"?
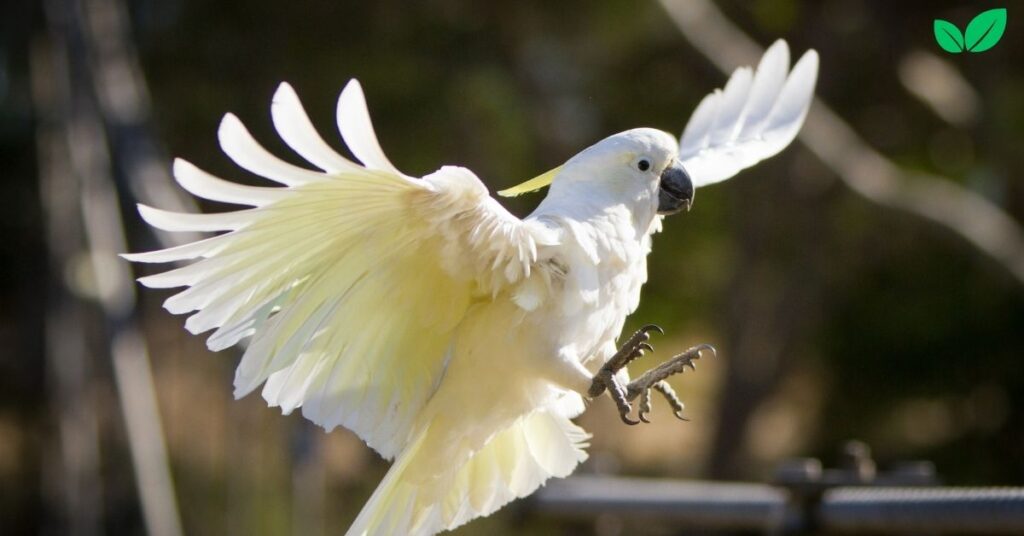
{"x": 451, "y": 336}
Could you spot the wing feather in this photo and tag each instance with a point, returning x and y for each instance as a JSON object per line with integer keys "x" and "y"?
{"x": 202, "y": 184}
{"x": 179, "y": 221}
{"x": 753, "y": 118}
{"x": 240, "y": 146}
{"x": 349, "y": 283}
{"x": 728, "y": 121}
{"x": 297, "y": 131}
{"x": 357, "y": 130}
{"x": 767, "y": 84}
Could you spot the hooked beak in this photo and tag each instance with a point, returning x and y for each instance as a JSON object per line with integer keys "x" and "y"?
{"x": 675, "y": 192}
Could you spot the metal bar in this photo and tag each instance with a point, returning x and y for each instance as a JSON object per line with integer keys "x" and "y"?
{"x": 739, "y": 506}
{"x": 923, "y": 510}
{"x": 692, "y": 503}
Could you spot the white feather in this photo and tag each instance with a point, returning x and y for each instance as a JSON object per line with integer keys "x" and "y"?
{"x": 202, "y": 184}
{"x": 752, "y": 119}
{"x": 315, "y": 272}
{"x": 184, "y": 252}
{"x": 695, "y": 135}
{"x": 240, "y": 146}
{"x": 357, "y": 130}
{"x": 514, "y": 463}
{"x": 297, "y": 131}
{"x": 179, "y": 221}
{"x": 768, "y": 82}
{"x": 422, "y": 315}
{"x": 728, "y": 121}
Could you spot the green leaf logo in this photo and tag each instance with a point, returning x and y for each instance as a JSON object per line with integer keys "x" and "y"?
{"x": 949, "y": 36}
{"x": 983, "y": 32}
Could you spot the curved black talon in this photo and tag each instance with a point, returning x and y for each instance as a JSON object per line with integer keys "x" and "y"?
{"x": 701, "y": 347}
{"x": 645, "y": 406}
{"x": 651, "y": 327}
{"x": 618, "y": 395}
{"x": 666, "y": 390}
{"x": 624, "y": 409}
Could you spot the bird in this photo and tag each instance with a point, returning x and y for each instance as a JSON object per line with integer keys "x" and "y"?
{"x": 455, "y": 339}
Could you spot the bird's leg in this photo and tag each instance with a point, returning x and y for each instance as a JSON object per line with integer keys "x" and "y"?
{"x": 655, "y": 379}
{"x": 605, "y": 378}
{"x": 633, "y": 348}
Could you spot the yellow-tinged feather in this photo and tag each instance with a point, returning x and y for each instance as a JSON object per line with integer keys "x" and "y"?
{"x": 531, "y": 185}
{"x": 354, "y": 285}
{"x": 513, "y": 464}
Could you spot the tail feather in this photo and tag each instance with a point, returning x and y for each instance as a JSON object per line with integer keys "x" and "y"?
{"x": 513, "y": 464}
{"x": 390, "y": 508}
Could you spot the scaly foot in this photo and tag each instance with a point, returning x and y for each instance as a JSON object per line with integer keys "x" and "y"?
{"x": 655, "y": 379}
{"x": 633, "y": 348}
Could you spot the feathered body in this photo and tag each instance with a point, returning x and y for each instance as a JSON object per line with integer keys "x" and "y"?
{"x": 500, "y": 419}
{"x": 417, "y": 312}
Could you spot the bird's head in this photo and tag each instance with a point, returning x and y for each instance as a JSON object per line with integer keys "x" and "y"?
{"x": 637, "y": 167}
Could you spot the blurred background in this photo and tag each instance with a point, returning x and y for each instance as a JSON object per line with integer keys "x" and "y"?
{"x": 867, "y": 283}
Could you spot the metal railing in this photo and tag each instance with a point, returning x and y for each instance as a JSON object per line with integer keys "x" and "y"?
{"x": 803, "y": 499}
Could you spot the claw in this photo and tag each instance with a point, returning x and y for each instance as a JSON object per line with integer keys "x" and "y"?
{"x": 632, "y": 349}
{"x": 652, "y": 327}
{"x": 619, "y": 396}
{"x": 697, "y": 354}
{"x": 624, "y": 409}
{"x": 645, "y": 406}
{"x": 673, "y": 400}
{"x": 701, "y": 347}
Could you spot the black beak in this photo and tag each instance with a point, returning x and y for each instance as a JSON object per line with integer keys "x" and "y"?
{"x": 675, "y": 191}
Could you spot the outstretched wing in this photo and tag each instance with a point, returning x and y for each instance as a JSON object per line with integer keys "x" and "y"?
{"x": 349, "y": 281}
{"x": 754, "y": 117}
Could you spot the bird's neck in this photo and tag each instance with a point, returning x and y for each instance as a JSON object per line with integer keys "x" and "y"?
{"x": 629, "y": 217}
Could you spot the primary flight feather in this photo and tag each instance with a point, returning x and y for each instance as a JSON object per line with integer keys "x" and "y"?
{"x": 450, "y": 335}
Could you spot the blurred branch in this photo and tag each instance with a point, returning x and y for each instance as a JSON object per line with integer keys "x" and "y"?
{"x": 87, "y": 170}
{"x": 72, "y": 476}
{"x": 982, "y": 223}
{"x": 939, "y": 85}
{"x": 123, "y": 99}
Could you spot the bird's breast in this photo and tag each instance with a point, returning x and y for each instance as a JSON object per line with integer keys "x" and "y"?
{"x": 593, "y": 280}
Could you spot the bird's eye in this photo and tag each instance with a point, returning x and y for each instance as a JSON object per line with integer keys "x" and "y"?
{"x": 644, "y": 164}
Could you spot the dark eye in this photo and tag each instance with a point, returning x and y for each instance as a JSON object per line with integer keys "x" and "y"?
{"x": 644, "y": 164}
